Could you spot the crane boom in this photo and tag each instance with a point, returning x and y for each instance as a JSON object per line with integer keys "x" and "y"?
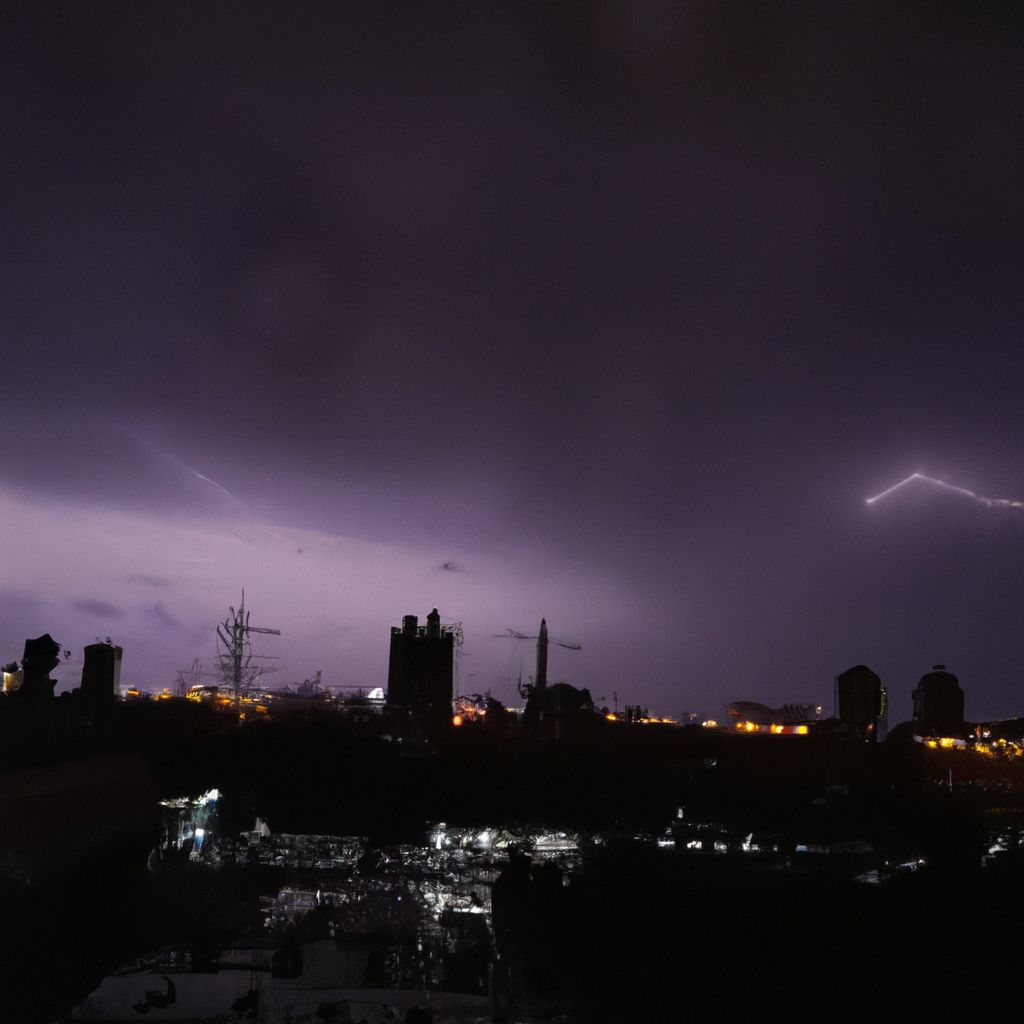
{"x": 541, "y": 679}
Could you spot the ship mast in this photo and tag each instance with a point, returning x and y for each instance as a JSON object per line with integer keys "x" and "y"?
{"x": 236, "y": 655}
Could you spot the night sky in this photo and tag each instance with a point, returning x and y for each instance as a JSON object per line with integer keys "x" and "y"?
{"x": 611, "y": 313}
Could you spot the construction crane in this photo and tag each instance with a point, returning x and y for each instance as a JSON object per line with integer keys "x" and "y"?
{"x": 236, "y": 654}
{"x": 540, "y": 680}
{"x": 189, "y": 677}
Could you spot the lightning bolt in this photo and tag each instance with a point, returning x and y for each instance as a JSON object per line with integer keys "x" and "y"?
{"x": 167, "y": 457}
{"x": 199, "y": 476}
{"x": 979, "y": 498}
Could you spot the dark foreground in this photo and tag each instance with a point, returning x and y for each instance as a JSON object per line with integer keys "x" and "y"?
{"x": 845, "y": 880}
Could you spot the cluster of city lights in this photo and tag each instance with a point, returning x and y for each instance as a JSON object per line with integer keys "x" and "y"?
{"x": 986, "y": 747}
{"x": 612, "y": 717}
{"x": 772, "y": 730}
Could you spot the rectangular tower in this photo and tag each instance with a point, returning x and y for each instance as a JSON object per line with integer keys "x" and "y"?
{"x": 421, "y": 669}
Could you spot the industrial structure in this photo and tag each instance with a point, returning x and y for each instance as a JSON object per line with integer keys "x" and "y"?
{"x": 939, "y": 704}
{"x": 540, "y": 679}
{"x": 861, "y": 704}
{"x": 789, "y": 720}
{"x": 101, "y": 674}
{"x": 558, "y": 702}
{"x": 235, "y": 650}
{"x": 421, "y": 669}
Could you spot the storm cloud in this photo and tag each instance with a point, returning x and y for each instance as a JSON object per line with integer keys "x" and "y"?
{"x": 97, "y": 609}
{"x": 626, "y": 306}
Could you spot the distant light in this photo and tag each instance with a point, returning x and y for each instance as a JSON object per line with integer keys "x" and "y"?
{"x": 456, "y": 719}
{"x": 710, "y": 724}
{"x": 611, "y": 717}
{"x": 200, "y": 832}
{"x": 801, "y": 730}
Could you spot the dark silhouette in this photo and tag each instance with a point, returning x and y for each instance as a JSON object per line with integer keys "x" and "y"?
{"x": 41, "y": 656}
{"x": 420, "y": 671}
{"x": 101, "y": 676}
{"x": 939, "y": 704}
{"x": 862, "y": 704}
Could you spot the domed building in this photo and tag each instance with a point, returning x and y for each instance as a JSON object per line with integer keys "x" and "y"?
{"x": 939, "y": 704}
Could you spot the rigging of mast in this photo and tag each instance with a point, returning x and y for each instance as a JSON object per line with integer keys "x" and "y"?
{"x": 234, "y": 649}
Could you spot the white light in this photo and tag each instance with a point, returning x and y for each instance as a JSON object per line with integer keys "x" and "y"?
{"x": 889, "y": 490}
{"x": 980, "y": 498}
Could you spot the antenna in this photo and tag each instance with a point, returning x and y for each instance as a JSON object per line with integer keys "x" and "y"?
{"x": 235, "y": 649}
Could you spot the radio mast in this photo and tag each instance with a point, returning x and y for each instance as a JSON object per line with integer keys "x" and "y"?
{"x": 235, "y": 648}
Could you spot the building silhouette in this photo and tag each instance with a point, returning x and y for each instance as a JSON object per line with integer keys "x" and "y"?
{"x": 420, "y": 670}
{"x": 939, "y": 704}
{"x": 101, "y": 674}
{"x": 862, "y": 704}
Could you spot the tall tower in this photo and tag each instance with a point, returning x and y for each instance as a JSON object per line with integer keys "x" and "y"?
{"x": 861, "y": 704}
{"x": 421, "y": 669}
{"x": 939, "y": 704}
{"x": 541, "y": 679}
{"x": 236, "y": 653}
{"x": 101, "y": 674}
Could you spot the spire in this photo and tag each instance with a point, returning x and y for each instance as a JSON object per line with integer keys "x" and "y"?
{"x": 542, "y": 656}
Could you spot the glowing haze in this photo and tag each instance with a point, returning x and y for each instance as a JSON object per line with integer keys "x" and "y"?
{"x": 158, "y": 586}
